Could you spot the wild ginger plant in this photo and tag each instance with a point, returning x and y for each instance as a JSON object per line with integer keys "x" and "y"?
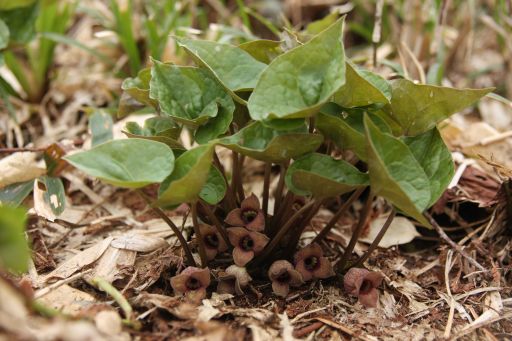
{"x": 293, "y": 109}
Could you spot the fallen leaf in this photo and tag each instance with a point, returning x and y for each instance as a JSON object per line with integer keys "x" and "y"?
{"x": 78, "y": 261}
{"x": 19, "y": 167}
{"x": 111, "y": 263}
{"x": 401, "y": 231}
{"x": 67, "y": 299}
{"x": 137, "y": 242}
{"x": 108, "y": 322}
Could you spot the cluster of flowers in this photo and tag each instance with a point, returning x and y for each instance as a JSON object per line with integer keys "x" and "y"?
{"x": 247, "y": 240}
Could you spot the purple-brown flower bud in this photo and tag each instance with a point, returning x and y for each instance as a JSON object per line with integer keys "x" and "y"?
{"x": 248, "y": 215}
{"x": 246, "y": 244}
{"x": 311, "y": 263}
{"x": 192, "y": 282}
{"x": 233, "y": 280}
{"x": 212, "y": 241}
{"x": 283, "y": 275}
{"x": 363, "y": 284}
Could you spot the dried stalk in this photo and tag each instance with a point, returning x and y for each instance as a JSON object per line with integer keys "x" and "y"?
{"x": 266, "y": 188}
{"x": 357, "y": 231}
{"x": 450, "y": 242}
{"x": 377, "y": 239}
{"x": 338, "y": 215}
{"x": 174, "y": 228}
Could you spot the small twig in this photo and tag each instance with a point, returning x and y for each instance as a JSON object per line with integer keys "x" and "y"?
{"x": 53, "y": 286}
{"x": 357, "y": 232}
{"x": 266, "y": 188}
{"x": 377, "y": 239}
{"x": 454, "y": 245}
{"x": 22, "y": 149}
{"x": 199, "y": 238}
{"x": 299, "y": 333}
{"x": 377, "y": 28}
{"x": 338, "y": 215}
{"x": 174, "y": 228}
{"x": 417, "y": 64}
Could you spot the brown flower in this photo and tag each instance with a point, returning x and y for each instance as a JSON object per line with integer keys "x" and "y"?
{"x": 246, "y": 244}
{"x": 283, "y": 275}
{"x": 212, "y": 241}
{"x": 363, "y": 284}
{"x": 192, "y": 282}
{"x": 233, "y": 280}
{"x": 248, "y": 215}
{"x": 311, "y": 263}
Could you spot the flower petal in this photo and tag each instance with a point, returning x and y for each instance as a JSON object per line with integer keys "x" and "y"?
{"x": 178, "y": 283}
{"x": 370, "y": 299}
{"x": 353, "y": 279}
{"x": 295, "y": 278}
{"x": 226, "y": 286}
{"x": 196, "y": 295}
{"x": 258, "y": 224}
{"x": 260, "y": 241}
{"x": 375, "y": 277}
{"x": 308, "y": 251}
{"x": 240, "y": 273}
{"x": 235, "y": 234}
{"x": 241, "y": 257}
{"x": 278, "y": 268}
{"x": 203, "y": 276}
{"x": 205, "y": 229}
{"x": 251, "y": 203}
{"x": 280, "y": 289}
{"x": 301, "y": 268}
{"x": 324, "y": 270}
{"x": 222, "y": 244}
{"x": 210, "y": 253}
{"x": 234, "y": 218}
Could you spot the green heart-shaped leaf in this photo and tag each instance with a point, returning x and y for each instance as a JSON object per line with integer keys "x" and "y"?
{"x": 192, "y": 97}
{"x": 362, "y": 88}
{"x": 130, "y": 163}
{"x": 161, "y": 129}
{"x": 190, "y": 174}
{"x": 322, "y": 176}
{"x": 267, "y": 144}
{"x": 418, "y": 108}
{"x": 101, "y": 125}
{"x": 233, "y": 67}
{"x": 395, "y": 174}
{"x": 347, "y": 132}
{"x": 262, "y": 50}
{"x": 14, "y": 250}
{"x": 214, "y": 189}
{"x": 138, "y": 87}
{"x": 297, "y": 83}
{"x": 435, "y": 158}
